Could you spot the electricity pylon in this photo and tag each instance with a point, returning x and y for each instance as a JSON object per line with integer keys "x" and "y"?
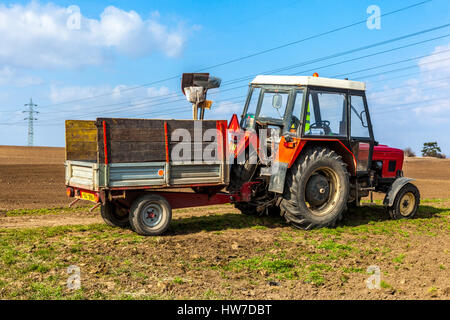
{"x": 30, "y": 119}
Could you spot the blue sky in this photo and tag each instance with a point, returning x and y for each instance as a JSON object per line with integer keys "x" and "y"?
{"x": 124, "y": 44}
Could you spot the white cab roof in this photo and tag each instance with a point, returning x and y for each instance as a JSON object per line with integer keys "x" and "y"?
{"x": 310, "y": 81}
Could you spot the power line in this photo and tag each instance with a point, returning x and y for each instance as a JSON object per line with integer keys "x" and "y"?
{"x": 399, "y": 69}
{"x": 253, "y": 54}
{"x": 175, "y": 108}
{"x": 380, "y": 66}
{"x": 161, "y": 98}
{"x": 310, "y": 37}
{"x": 410, "y": 86}
{"x": 145, "y": 104}
{"x": 352, "y": 51}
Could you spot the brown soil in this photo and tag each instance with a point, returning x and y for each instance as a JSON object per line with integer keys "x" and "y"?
{"x": 32, "y": 177}
{"x": 50, "y": 220}
{"x": 432, "y": 176}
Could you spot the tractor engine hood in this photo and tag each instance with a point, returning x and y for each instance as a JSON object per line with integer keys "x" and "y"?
{"x": 381, "y": 151}
{"x": 391, "y": 158}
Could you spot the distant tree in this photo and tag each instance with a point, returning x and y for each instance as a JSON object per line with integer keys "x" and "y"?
{"x": 408, "y": 152}
{"x": 431, "y": 149}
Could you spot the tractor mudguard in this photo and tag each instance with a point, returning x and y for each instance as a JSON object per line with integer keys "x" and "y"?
{"x": 286, "y": 155}
{"x": 394, "y": 189}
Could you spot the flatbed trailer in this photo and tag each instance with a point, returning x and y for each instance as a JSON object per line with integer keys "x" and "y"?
{"x": 118, "y": 162}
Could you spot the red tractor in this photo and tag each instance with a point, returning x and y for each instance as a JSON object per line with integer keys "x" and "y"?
{"x": 324, "y": 155}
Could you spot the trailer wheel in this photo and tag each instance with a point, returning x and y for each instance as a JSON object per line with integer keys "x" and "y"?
{"x": 317, "y": 189}
{"x": 150, "y": 215}
{"x": 114, "y": 216}
{"x": 406, "y": 203}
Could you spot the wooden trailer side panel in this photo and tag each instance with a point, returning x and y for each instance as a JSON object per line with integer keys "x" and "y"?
{"x": 81, "y": 140}
{"x": 144, "y": 140}
{"x": 130, "y": 140}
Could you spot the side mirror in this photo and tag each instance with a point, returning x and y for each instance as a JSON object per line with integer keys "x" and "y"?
{"x": 365, "y": 125}
{"x": 277, "y": 101}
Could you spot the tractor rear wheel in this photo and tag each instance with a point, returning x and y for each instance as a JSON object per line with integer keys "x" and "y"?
{"x": 114, "y": 216}
{"x": 406, "y": 203}
{"x": 316, "y": 191}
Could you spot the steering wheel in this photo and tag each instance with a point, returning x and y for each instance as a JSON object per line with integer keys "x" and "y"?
{"x": 324, "y": 124}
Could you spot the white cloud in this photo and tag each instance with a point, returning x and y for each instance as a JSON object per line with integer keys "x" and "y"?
{"x": 155, "y": 92}
{"x": 438, "y": 62}
{"x": 9, "y": 77}
{"x": 223, "y": 110}
{"x": 38, "y": 36}
{"x": 71, "y": 93}
{"x": 122, "y": 103}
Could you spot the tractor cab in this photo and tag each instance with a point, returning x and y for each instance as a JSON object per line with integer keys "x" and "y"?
{"x": 313, "y": 108}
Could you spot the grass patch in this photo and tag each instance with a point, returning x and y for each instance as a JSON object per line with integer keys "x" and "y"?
{"x": 46, "y": 211}
{"x": 178, "y": 280}
{"x": 352, "y": 270}
{"x": 283, "y": 268}
{"x": 399, "y": 259}
{"x": 385, "y": 285}
{"x": 334, "y": 246}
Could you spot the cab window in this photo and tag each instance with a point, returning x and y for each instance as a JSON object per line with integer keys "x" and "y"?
{"x": 326, "y": 114}
{"x": 296, "y": 112}
{"x": 267, "y": 106}
{"x": 359, "y": 127}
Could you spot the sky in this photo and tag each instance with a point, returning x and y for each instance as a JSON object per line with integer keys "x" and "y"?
{"x": 86, "y": 59}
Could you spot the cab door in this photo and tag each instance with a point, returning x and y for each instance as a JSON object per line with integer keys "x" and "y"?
{"x": 360, "y": 128}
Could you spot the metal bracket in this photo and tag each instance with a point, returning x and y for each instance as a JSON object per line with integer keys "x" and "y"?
{"x": 94, "y": 207}
{"x": 73, "y": 202}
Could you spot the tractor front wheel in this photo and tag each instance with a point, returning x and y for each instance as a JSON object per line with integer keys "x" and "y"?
{"x": 316, "y": 190}
{"x": 406, "y": 203}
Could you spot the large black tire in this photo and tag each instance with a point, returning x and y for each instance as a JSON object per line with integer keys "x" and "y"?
{"x": 114, "y": 216}
{"x": 306, "y": 210}
{"x": 150, "y": 215}
{"x": 406, "y": 203}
